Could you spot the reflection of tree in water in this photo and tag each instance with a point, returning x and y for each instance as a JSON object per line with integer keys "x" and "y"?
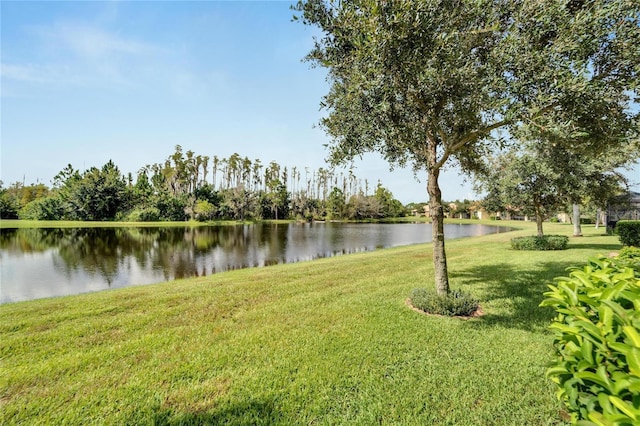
{"x": 188, "y": 252}
{"x": 233, "y": 247}
{"x": 94, "y": 250}
{"x": 28, "y": 240}
{"x": 276, "y": 244}
{"x": 174, "y": 252}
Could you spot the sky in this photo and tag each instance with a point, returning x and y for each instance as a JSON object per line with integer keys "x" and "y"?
{"x": 85, "y": 82}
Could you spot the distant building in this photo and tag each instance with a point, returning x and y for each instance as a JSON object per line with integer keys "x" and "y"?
{"x": 624, "y": 207}
{"x": 425, "y": 211}
{"x": 478, "y": 211}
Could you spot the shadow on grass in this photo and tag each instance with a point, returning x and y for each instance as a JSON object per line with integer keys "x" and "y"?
{"x": 512, "y": 295}
{"x": 251, "y": 412}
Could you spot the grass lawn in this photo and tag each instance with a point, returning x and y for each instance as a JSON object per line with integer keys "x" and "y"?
{"x": 324, "y": 342}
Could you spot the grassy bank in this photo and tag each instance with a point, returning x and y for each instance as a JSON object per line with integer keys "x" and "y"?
{"x": 323, "y": 342}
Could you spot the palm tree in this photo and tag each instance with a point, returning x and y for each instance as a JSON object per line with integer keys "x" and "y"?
{"x": 257, "y": 175}
{"x": 216, "y": 162}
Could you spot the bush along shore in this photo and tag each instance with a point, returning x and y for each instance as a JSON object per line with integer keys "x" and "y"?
{"x": 330, "y": 341}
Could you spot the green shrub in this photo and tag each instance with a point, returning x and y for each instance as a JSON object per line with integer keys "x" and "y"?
{"x": 545, "y": 242}
{"x": 597, "y": 342}
{"x": 47, "y": 208}
{"x": 630, "y": 253}
{"x": 455, "y": 303}
{"x": 629, "y": 232}
{"x": 146, "y": 214}
{"x": 204, "y": 210}
{"x": 8, "y": 205}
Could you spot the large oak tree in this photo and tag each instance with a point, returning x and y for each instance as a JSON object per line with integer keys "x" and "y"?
{"x": 430, "y": 83}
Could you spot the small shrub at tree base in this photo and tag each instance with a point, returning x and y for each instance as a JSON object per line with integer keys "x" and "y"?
{"x": 455, "y": 303}
{"x": 545, "y": 242}
{"x": 597, "y": 341}
{"x": 629, "y": 232}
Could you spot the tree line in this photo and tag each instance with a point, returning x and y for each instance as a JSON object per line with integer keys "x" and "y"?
{"x": 532, "y": 180}
{"x": 189, "y": 186}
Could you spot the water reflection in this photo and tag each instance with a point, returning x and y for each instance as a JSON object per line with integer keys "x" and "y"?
{"x": 38, "y": 263}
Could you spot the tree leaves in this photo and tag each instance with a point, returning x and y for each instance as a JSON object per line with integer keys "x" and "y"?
{"x": 597, "y": 340}
{"x": 427, "y": 82}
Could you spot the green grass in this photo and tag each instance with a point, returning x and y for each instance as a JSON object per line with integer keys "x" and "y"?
{"x": 324, "y": 342}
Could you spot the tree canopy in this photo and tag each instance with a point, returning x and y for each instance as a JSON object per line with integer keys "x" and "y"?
{"x": 428, "y": 83}
{"x": 540, "y": 179}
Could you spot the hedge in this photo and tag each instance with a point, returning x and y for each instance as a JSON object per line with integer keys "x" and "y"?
{"x": 545, "y": 242}
{"x": 597, "y": 341}
{"x": 629, "y": 232}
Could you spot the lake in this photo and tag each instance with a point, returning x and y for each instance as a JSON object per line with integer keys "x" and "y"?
{"x": 47, "y": 262}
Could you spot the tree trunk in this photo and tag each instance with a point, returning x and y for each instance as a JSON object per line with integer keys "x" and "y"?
{"x": 436, "y": 211}
{"x": 539, "y": 220}
{"x": 539, "y": 225}
{"x": 577, "y": 229}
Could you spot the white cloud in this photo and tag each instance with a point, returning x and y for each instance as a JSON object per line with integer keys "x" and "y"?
{"x": 25, "y": 73}
{"x": 69, "y": 54}
{"x": 91, "y": 42}
{"x": 78, "y": 54}
{"x": 16, "y": 77}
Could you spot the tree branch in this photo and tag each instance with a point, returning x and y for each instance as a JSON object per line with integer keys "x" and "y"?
{"x": 468, "y": 138}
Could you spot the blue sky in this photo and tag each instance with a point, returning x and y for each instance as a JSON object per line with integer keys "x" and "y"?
{"x": 88, "y": 81}
{"x": 85, "y": 82}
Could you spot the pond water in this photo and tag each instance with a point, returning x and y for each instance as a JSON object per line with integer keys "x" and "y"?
{"x": 41, "y": 262}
